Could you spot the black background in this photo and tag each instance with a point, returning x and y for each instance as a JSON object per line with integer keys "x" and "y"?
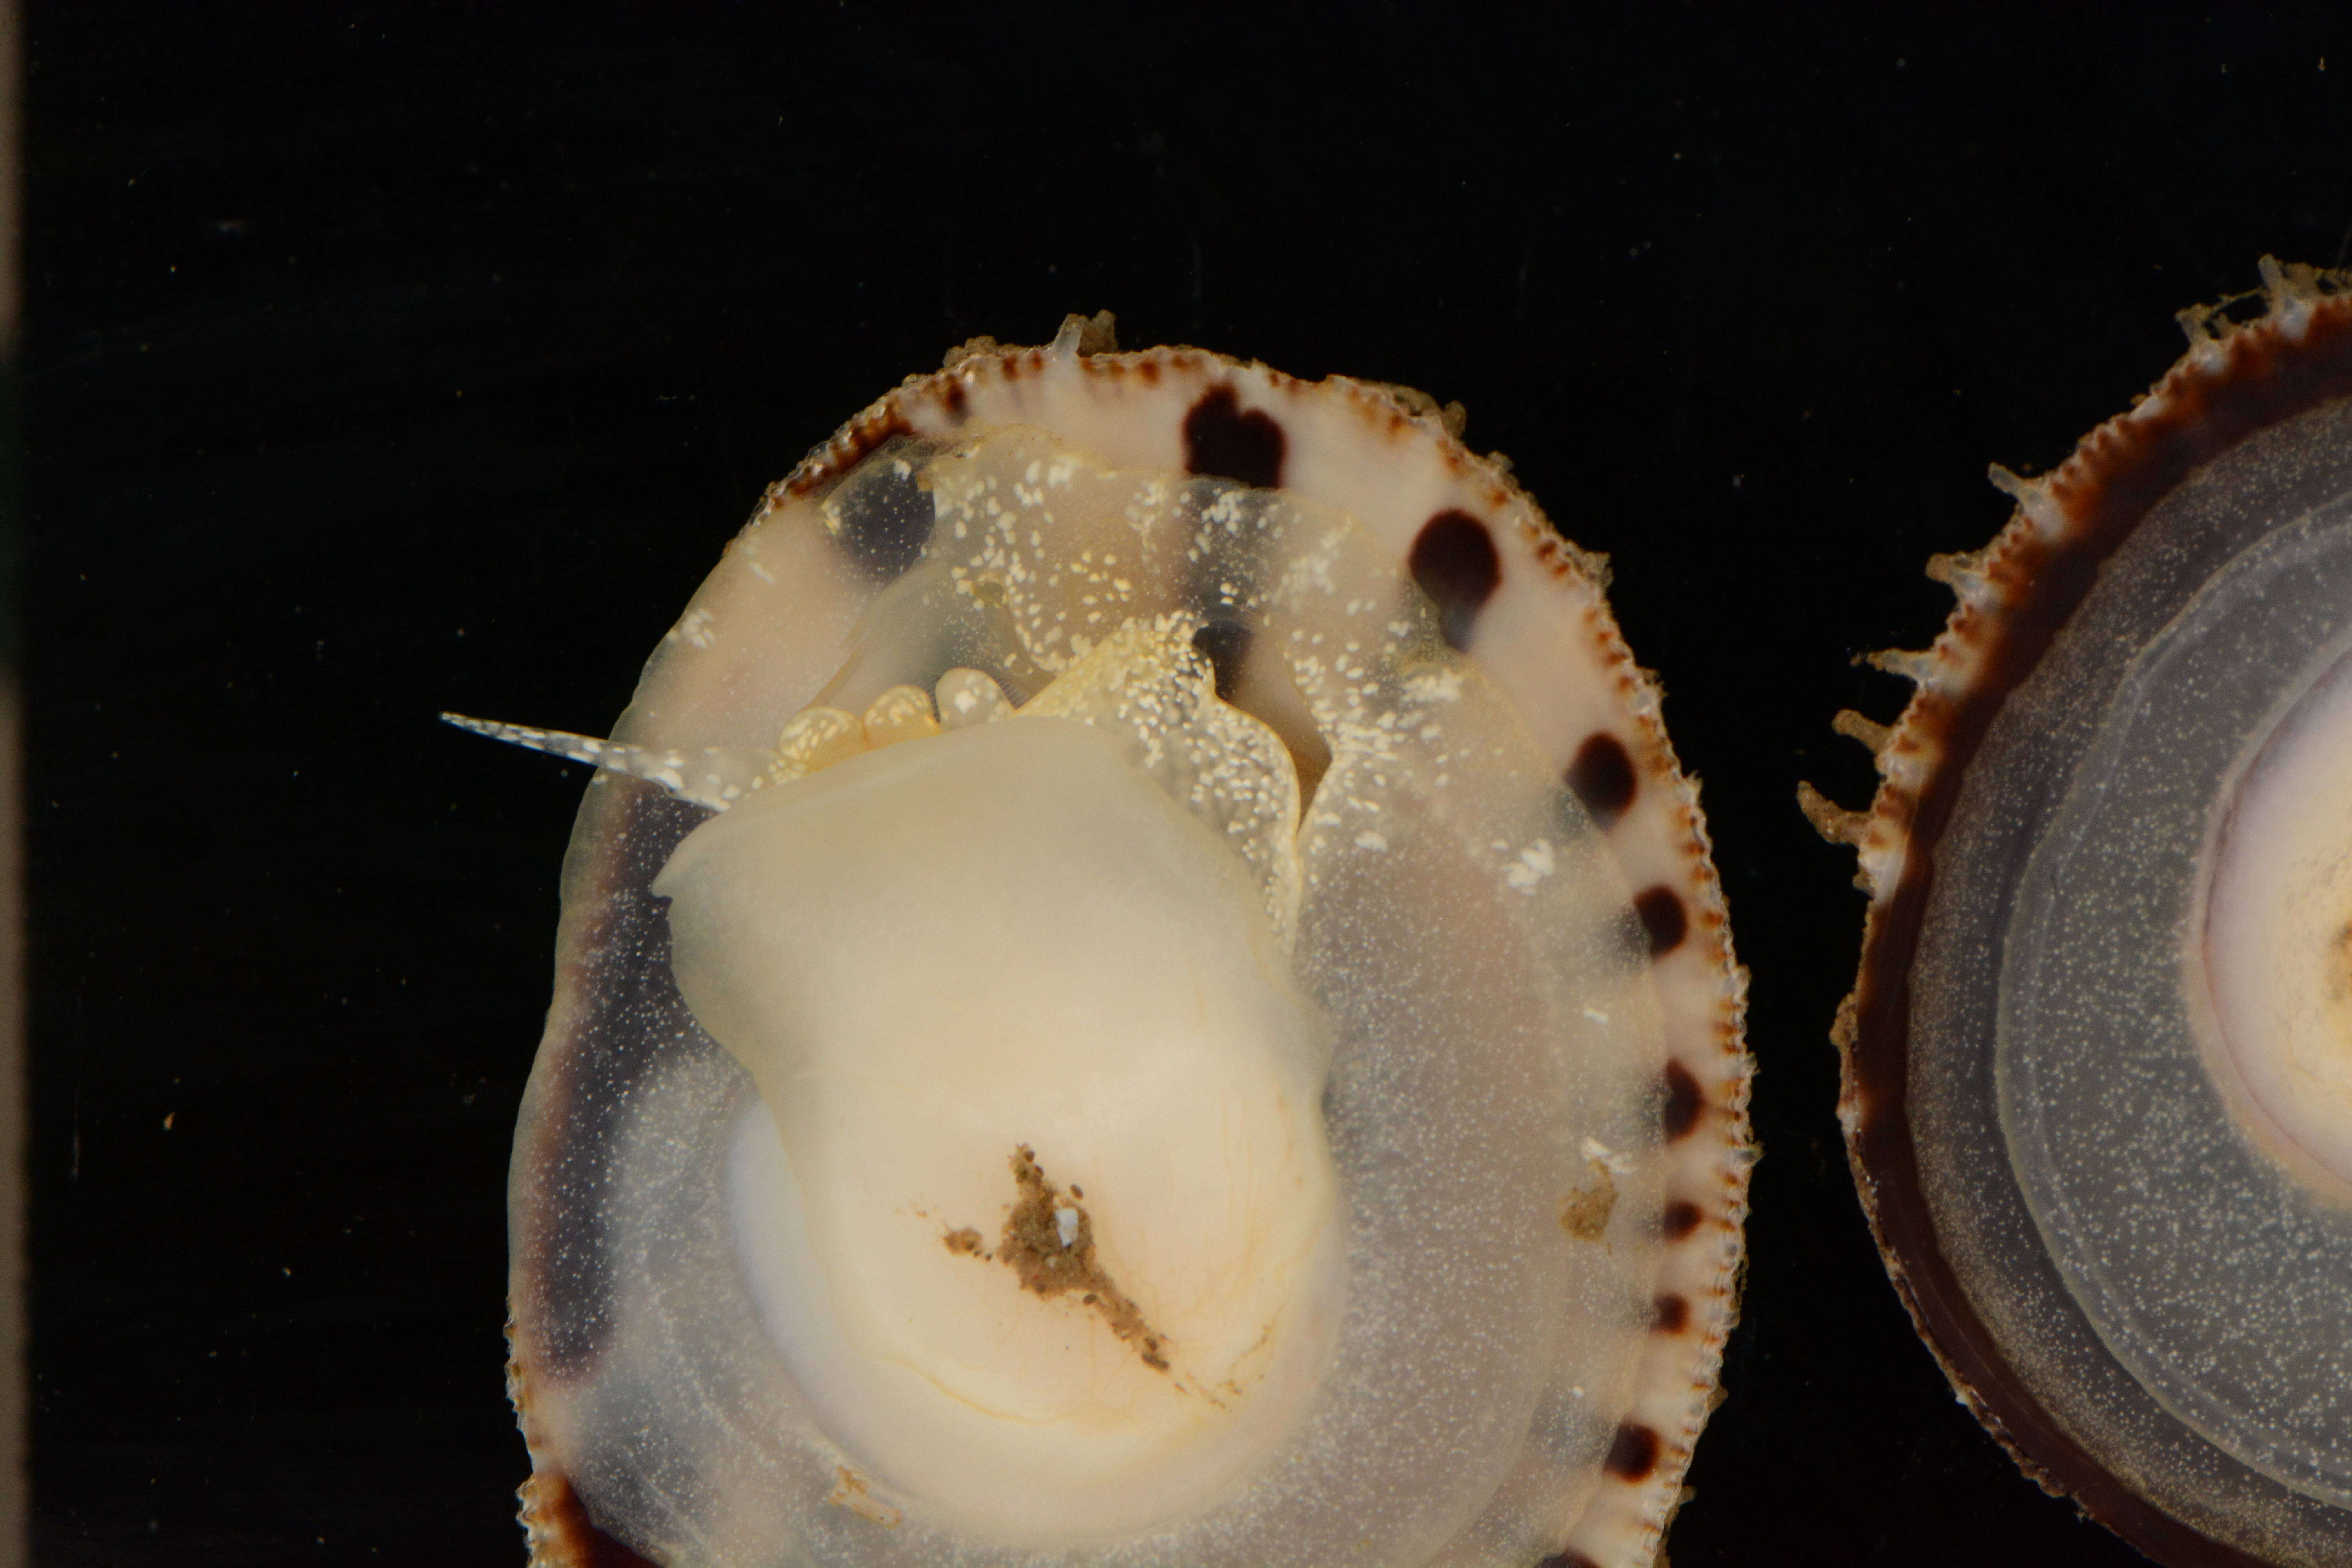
{"x": 387, "y": 358}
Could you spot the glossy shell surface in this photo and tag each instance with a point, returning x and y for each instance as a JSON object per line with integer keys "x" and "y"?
{"x": 768, "y": 635}
{"x": 2131, "y": 1275}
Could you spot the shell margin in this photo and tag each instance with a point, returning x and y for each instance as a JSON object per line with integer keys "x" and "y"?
{"x": 2011, "y": 597}
{"x": 1678, "y": 1383}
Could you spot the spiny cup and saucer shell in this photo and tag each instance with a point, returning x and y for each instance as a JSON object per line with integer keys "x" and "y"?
{"x": 1507, "y": 590}
{"x": 2137, "y": 1288}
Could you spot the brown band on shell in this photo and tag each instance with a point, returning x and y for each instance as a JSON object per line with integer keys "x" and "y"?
{"x": 847, "y": 448}
{"x": 2253, "y": 376}
{"x": 561, "y": 1534}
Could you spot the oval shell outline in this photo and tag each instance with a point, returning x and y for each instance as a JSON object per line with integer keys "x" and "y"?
{"x": 2012, "y": 597}
{"x": 1530, "y": 607}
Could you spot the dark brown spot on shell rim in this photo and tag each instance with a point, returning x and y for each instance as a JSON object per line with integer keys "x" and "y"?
{"x": 1223, "y": 440}
{"x": 1454, "y": 562}
{"x": 1569, "y": 1559}
{"x": 1660, "y": 911}
{"x": 1602, "y": 775}
{"x": 1681, "y": 1217}
{"x": 1634, "y": 1452}
{"x": 1670, "y": 1313}
{"x": 1683, "y": 1103}
{"x": 2115, "y": 475}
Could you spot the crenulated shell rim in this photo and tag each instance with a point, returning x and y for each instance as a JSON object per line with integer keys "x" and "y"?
{"x": 1704, "y": 1235}
{"x": 2011, "y": 597}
